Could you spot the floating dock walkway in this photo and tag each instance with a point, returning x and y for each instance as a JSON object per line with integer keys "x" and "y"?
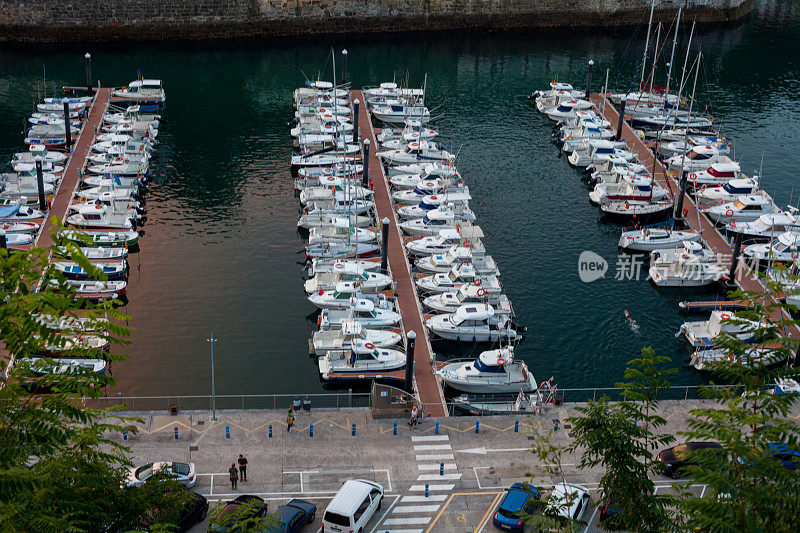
{"x": 75, "y": 166}
{"x": 428, "y": 387}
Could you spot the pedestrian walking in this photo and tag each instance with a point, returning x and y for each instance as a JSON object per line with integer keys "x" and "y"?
{"x": 413, "y": 420}
{"x": 242, "y": 468}
{"x": 290, "y": 419}
{"x": 234, "y": 475}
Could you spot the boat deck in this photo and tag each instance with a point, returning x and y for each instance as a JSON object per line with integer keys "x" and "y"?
{"x": 74, "y": 167}
{"x": 428, "y": 387}
{"x": 694, "y": 217}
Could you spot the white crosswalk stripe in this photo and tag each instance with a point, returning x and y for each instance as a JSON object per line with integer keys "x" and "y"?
{"x": 407, "y": 521}
{"x": 436, "y": 466}
{"x": 431, "y": 447}
{"x": 429, "y": 438}
{"x": 436, "y": 477}
{"x": 402, "y": 531}
{"x": 445, "y": 486}
{"x": 423, "y": 499}
{"x": 407, "y": 509}
{"x": 435, "y": 457}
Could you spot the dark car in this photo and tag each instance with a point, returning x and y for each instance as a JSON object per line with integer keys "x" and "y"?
{"x": 609, "y": 508}
{"x": 790, "y": 459}
{"x": 520, "y": 498}
{"x": 195, "y": 512}
{"x": 225, "y": 518}
{"x": 293, "y": 516}
{"x": 677, "y": 457}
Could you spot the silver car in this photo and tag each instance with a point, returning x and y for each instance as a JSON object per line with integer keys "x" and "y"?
{"x": 183, "y": 472}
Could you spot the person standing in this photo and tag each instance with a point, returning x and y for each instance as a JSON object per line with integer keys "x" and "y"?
{"x": 234, "y": 475}
{"x": 242, "y": 468}
{"x": 413, "y": 420}
{"x": 290, "y": 419}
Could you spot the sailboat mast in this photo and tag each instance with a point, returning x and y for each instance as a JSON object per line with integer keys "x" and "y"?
{"x": 685, "y": 62}
{"x": 655, "y": 58}
{"x": 689, "y": 117}
{"x": 647, "y": 44}
{"x": 672, "y": 57}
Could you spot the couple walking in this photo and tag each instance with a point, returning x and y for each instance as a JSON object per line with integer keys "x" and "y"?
{"x": 240, "y": 474}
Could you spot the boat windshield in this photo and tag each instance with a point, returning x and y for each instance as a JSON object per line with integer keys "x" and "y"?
{"x": 480, "y": 366}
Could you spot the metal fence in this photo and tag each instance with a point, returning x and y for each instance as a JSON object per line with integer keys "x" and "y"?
{"x": 230, "y": 401}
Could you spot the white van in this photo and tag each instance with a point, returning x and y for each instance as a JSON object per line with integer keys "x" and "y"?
{"x": 352, "y": 507}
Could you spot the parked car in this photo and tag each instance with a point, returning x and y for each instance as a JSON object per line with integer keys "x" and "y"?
{"x": 568, "y": 501}
{"x": 609, "y": 508}
{"x": 677, "y": 457}
{"x": 183, "y": 472}
{"x": 195, "y": 512}
{"x": 519, "y": 498}
{"x": 293, "y": 516}
{"x": 353, "y": 506}
{"x": 223, "y": 523}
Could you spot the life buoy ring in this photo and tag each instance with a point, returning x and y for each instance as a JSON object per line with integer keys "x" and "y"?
{"x": 729, "y": 213}
{"x": 685, "y": 212}
{"x": 693, "y": 177}
{"x": 369, "y": 346}
{"x": 725, "y": 316}
{"x": 629, "y": 238}
{"x": 434, "y": 197}
{"x": 477, "y": 282}
{"x": 338, "y": 265}
{"x": 569, "y": 137}
{"x": 468, "y": 244}
{"x": 464, "y": 262}
{"x": 481, "y": 292}
{"x": 795, "y": 254}
{"x": 98, "y": 206}
{"x": 719, "y": 201}
{"x": 627, "y": 205}
{"x": 703, "y": 187}
{"x": 500, "y": 361}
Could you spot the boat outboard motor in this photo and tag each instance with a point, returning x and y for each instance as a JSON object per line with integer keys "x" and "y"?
{"x": 534, "y": 95}
{"x": 294, "y": 122}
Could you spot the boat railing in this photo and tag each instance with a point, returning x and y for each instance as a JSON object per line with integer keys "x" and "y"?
{"x": 249, "y": 402}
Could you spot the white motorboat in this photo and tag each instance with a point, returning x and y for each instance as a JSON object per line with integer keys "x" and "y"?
{"x": 363, "y": 279}
{"x": 397, "y": 112}
{"x": 566, "y": 109}
{"x": 678, "y": 148}
{"x": 338, "y": 233}
{"x": 390, "y": 89}
{"x": 716, "y": 174}
{"x": 435, "y": 187}
{"x": 409, "y": 181}
{"x": 129, "y": 169}
{"x": 352, "y": 154}
{"x": 782, "y": 249}
{"x": 318, "y": 266}
{"x": 27, "y": 187}
{"x": 427, "y": 203}
{"x": 19, "y": 213}
{"x": 599, "y": 151}
{"x": 691, "y": 265}
{"x": 20, "y": 227}
{"x": 39, "y": 150}
{"x": 649, "y": 239}
{"x": 757, "y": 356}
{"x": 59, "y": 107}
{"x": 340, "y": 204}
{"x": 766, "y": 227}
{"x": 103, "y": 238}
{"x": 98, "y": 290}
{"x": 353, "y": 334}
{"x": 65, "y": 365}
{"x": 99, "y": 217}
{"x": 449, "y": 216}
{"x": 523, "y": 404}
{"x": 456, "y": 255}
{"x": 14, "y": 240}
{"x": 321, "y": 220}
{"x": 743, "y": 209}
{"x": 106, "y": 194}
{"x": 467, "y": 236}
{"x": 473, "y": 323}
{"x": 340, "y": 297}
{"x": 492, "y": 372}
{"x": 630, "y": 188}
{"x": 417, "y": 152}
{"x": 96, "y": 253}
{"x": 440, "y": 168}
{"x": 112, "y": 182}
{"x": 449, "y": 281}
{"x": 30, "y": 167}
{"x": 704, "y": 333}
{"x": 728, "y": 192}
{"x": 339, "y": 364}
{"x": 341, "y": 249}
{"x": 699, "y": 158}
{"x": 786, "y": 386}
{"x": 331, "y": 187}
{"x": 489, "y": 291}
{"x": 362, "y": 311}
{"x": 575, "y": 138}
{"x": 638, "y": 210}
{"x": 142, "y": 91}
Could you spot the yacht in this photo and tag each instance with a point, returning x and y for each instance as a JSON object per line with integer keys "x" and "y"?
{"x": 755, "y": 356}
{"x": 691, "y": 265}
{"x": 743, "y": 209}
{"x": 766, "y": 227}
{"x": 703, "y": 333}
{"x": 728, "y": 192}
{"x": 649, "y": 239}
{"x": 467, "y": 236}
{"x": 782, "y": 249}
{"x": 474, "y": 323}
{"x": 353, "y": 334}
{"x": 362, "y": 279}
{"x": 340, "y": 297}
{"x": 489, "y": 291}
{"x": 361, "y": 310}
{"x": 449, "y": 281}
{"x": 343, "y": 365}
{"x": 458, "y": 255}
{"x": 492, "y": 372}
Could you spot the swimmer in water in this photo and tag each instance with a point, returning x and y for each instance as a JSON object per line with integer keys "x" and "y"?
{"x": 630, "y": 320}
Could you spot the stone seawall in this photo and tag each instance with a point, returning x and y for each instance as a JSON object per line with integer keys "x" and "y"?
{"x": 42, "y": 21}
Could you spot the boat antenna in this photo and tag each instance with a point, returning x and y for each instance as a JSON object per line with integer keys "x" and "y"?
{"x": 605, "y": 94}
{"x": 689, "y": 117}
{"x": 656, "y": 55}
{"x": 647, "y": 44}
{"x": 672, "y": 56}
{"x": 685, "y": 61}
{"x": 760, "y": 169}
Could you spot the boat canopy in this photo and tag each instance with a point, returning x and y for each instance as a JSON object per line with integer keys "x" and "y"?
{"x": 362, "y": 305}
{"x": 475, "y": 312}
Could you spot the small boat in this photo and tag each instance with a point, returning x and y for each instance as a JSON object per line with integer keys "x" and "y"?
{"x": 100, "y": 217}
{"x": 359, "y": 360}
{"x": 14, "y": 240}
{"x": 474, "y": 323}
{"x": 362, "y": 279}
{"x": 103, "y": 238}
{"x": 417, "y": 152}
{"x": 340, "y": 204}
{"x": 99, "y": 290}
{"x": 321, "y": 220}
{"x": 444, "y": 216}
{"x": 97, "y": 253}
{"x": 492, "y": 372}
{"x": 629, "y": 188}
{"x": 784, "y": 249}
{"x": 429, "y": 203}
{"x": 59, "y": 107}
{"x": 318, "y": 266}
{"x": 714, "y": 175}
{"x": 444, "y": 168}
{"x": 112, "y": 269}
{"x": 743, "y": 209}
{"x": 30, "y": 167}
{"x": 433, "y": 188}
{"x": 111, "y": 182}
{"x": 728, "y": 192}
{"x": 756, "y": 356}
{"x": 338, "y": 233}
{"x": 449, "y": 281}
{"x": 148, "y": 94}
{"x": 43, "y": 366}
{"x": 39, "y": 150}
{"x": 20, "y": 227}
{"x": 341, "y": 250}
{"x": 340, "y": 297}
{"x": 786, "y": 386}
{"x": 599, "y": 151}
{"x": 699, "y": 158}
{"x": 567, "y": 109}
{"x": 397, "y": 112}
{"x": 691, "y": 265}
{"x": 489, "y": 291}
{"x": 130, "y": 169}
{"x": 107, "y": 194}
{"x": 766, "y": 227}
{"x": 64, "y": 343}
{"x": 409, "y": 181}
{"x": 524, "y": 404}
{"x": 649, "y": 239}
{"x": 353, "y": 334}
{"x": 467, "y": 236}
{"x": 20, "y": 213}
{"x": 636, "y": 210}
{"x": 361, "y": 310}
{"x": 457, "y": 255}
{"x": 702, "y": 333}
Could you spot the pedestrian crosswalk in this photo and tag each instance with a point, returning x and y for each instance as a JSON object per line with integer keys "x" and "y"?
{"x": 419, "y": 507}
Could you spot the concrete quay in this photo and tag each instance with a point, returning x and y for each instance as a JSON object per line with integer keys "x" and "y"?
{"x": 293, "y": 464}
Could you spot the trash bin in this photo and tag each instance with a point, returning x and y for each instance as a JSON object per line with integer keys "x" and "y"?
{"x": 173, "y": 409}
{"x": 557, "y": 400}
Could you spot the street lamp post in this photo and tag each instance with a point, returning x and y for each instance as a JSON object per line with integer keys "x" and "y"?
{"x": 212, "y": 340}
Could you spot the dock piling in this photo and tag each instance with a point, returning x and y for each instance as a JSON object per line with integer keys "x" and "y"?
{"x": 344, "y": 67}
{"x": 356, "y": 105}
{"x": 589, "y": 79}
{"x": 385, "y": 245}
{"x": 67, "y": 132}
{"x": 408, "y": 385}
{"x": 737, "y": 249}
{"x": 365, "y": 175}
{"x": 621, "y": 120}
{"x": 681, "y": 195}
{"x": 88, "y": 57}
{"x": 40, "y": 184}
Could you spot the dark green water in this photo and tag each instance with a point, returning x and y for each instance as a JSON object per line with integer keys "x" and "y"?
{"x": 220, "y": 244}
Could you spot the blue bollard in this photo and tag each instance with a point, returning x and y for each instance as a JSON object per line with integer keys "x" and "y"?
{"x": 555, "y": 424}
{"x": 176, "y": 432}
{"x": 441, "y": 469}
{"x": 311, "y": 430}
{"x": 477, "y": 426}
{"x": 426, "y": 490}
{"x": 436, "y": 431}
{"x": 227, "y": 432}
{"x": 270, "y": 431}
{"x": 394, "y": 431}
{"x": 353, "y": 429}
{"x": 124, "y": 434}
{"x": 516, "y": 426}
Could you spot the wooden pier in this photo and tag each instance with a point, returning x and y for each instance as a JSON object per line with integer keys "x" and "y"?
{"x": 694, "y": 218}
{"x": 75, "y": 166}
{"x": 428, "y": 387}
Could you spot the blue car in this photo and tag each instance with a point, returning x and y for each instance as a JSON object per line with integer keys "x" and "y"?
{"x": 520, "y": 497}
{"x": 790, "y": 459}
{"x": 293, "y": 516}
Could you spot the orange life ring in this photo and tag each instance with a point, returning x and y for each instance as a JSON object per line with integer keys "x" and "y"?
{"x": 481, "y": 292}
{"x": 729, "y": 213}
{"x": 693, "y": 176}
{"x": 725, "y": 316}
{"x": 369, "y": 346}
{"x": 477, "y": 282}
{"x": 795, "y": 254}
{"x": 703, "y": 188}
{"x": 501, "y": 361}
{"x": 468, "y": 244}
{"x": 464, "y": 262}
{"x": 719, "y": 201}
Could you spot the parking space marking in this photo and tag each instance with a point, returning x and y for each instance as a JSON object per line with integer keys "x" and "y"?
{"x": 434, "y": 477}
{"x": 485, "y": 519}
{"x": 400, "y": 509}
{"x": 421, "y": 499}
{"x": 589, "y": 523}
{"x": 450, "y": 499}
{"x": 437, "y": 466}
{"x": 408, "y": 521}
{"x": 428, "y": 438}
{"x": 394, "y": 502}
{"x": 435, "y": 457}
{"x": 403, "y": 531}
{"x": 431, "y": 447}
{"x": 475, "y": 470}
{"x": 446, "y": 486}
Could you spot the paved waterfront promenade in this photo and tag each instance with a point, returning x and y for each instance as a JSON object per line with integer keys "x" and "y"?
{"x": 477, "y": 466}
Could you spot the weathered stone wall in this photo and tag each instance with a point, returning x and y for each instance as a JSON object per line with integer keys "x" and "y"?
{"x": 102, "y": 20}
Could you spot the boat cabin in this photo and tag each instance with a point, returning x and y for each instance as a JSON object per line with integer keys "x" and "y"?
{"x": 472, "y": 315}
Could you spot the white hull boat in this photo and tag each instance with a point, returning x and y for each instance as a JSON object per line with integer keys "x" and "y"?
{"x": 492, "y": 372}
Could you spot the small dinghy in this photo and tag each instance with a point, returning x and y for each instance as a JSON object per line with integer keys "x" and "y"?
{"x": 649, "y": 239}
{"x": 524, "y": 404}
{"x": 353, "y": 334}
{"x": 362, "y": 311}
{"x": 19, "y": 227}
{"x": 103, "y": 238}
{"x": 338, "y": 365}
{"x": 98, "y": 253}
{"x": 492, "y": 372}
{"x": 112, "y": 269}
{"x": 703, "y": 333}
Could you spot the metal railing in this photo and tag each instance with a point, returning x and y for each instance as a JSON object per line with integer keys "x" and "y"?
{"x": 230, "y": 401}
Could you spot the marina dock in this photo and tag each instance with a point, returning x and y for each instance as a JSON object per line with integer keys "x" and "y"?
{"x": 427, "y": 386}
{"x": 75, "y": 167}
{"x": 693, "y": 217}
